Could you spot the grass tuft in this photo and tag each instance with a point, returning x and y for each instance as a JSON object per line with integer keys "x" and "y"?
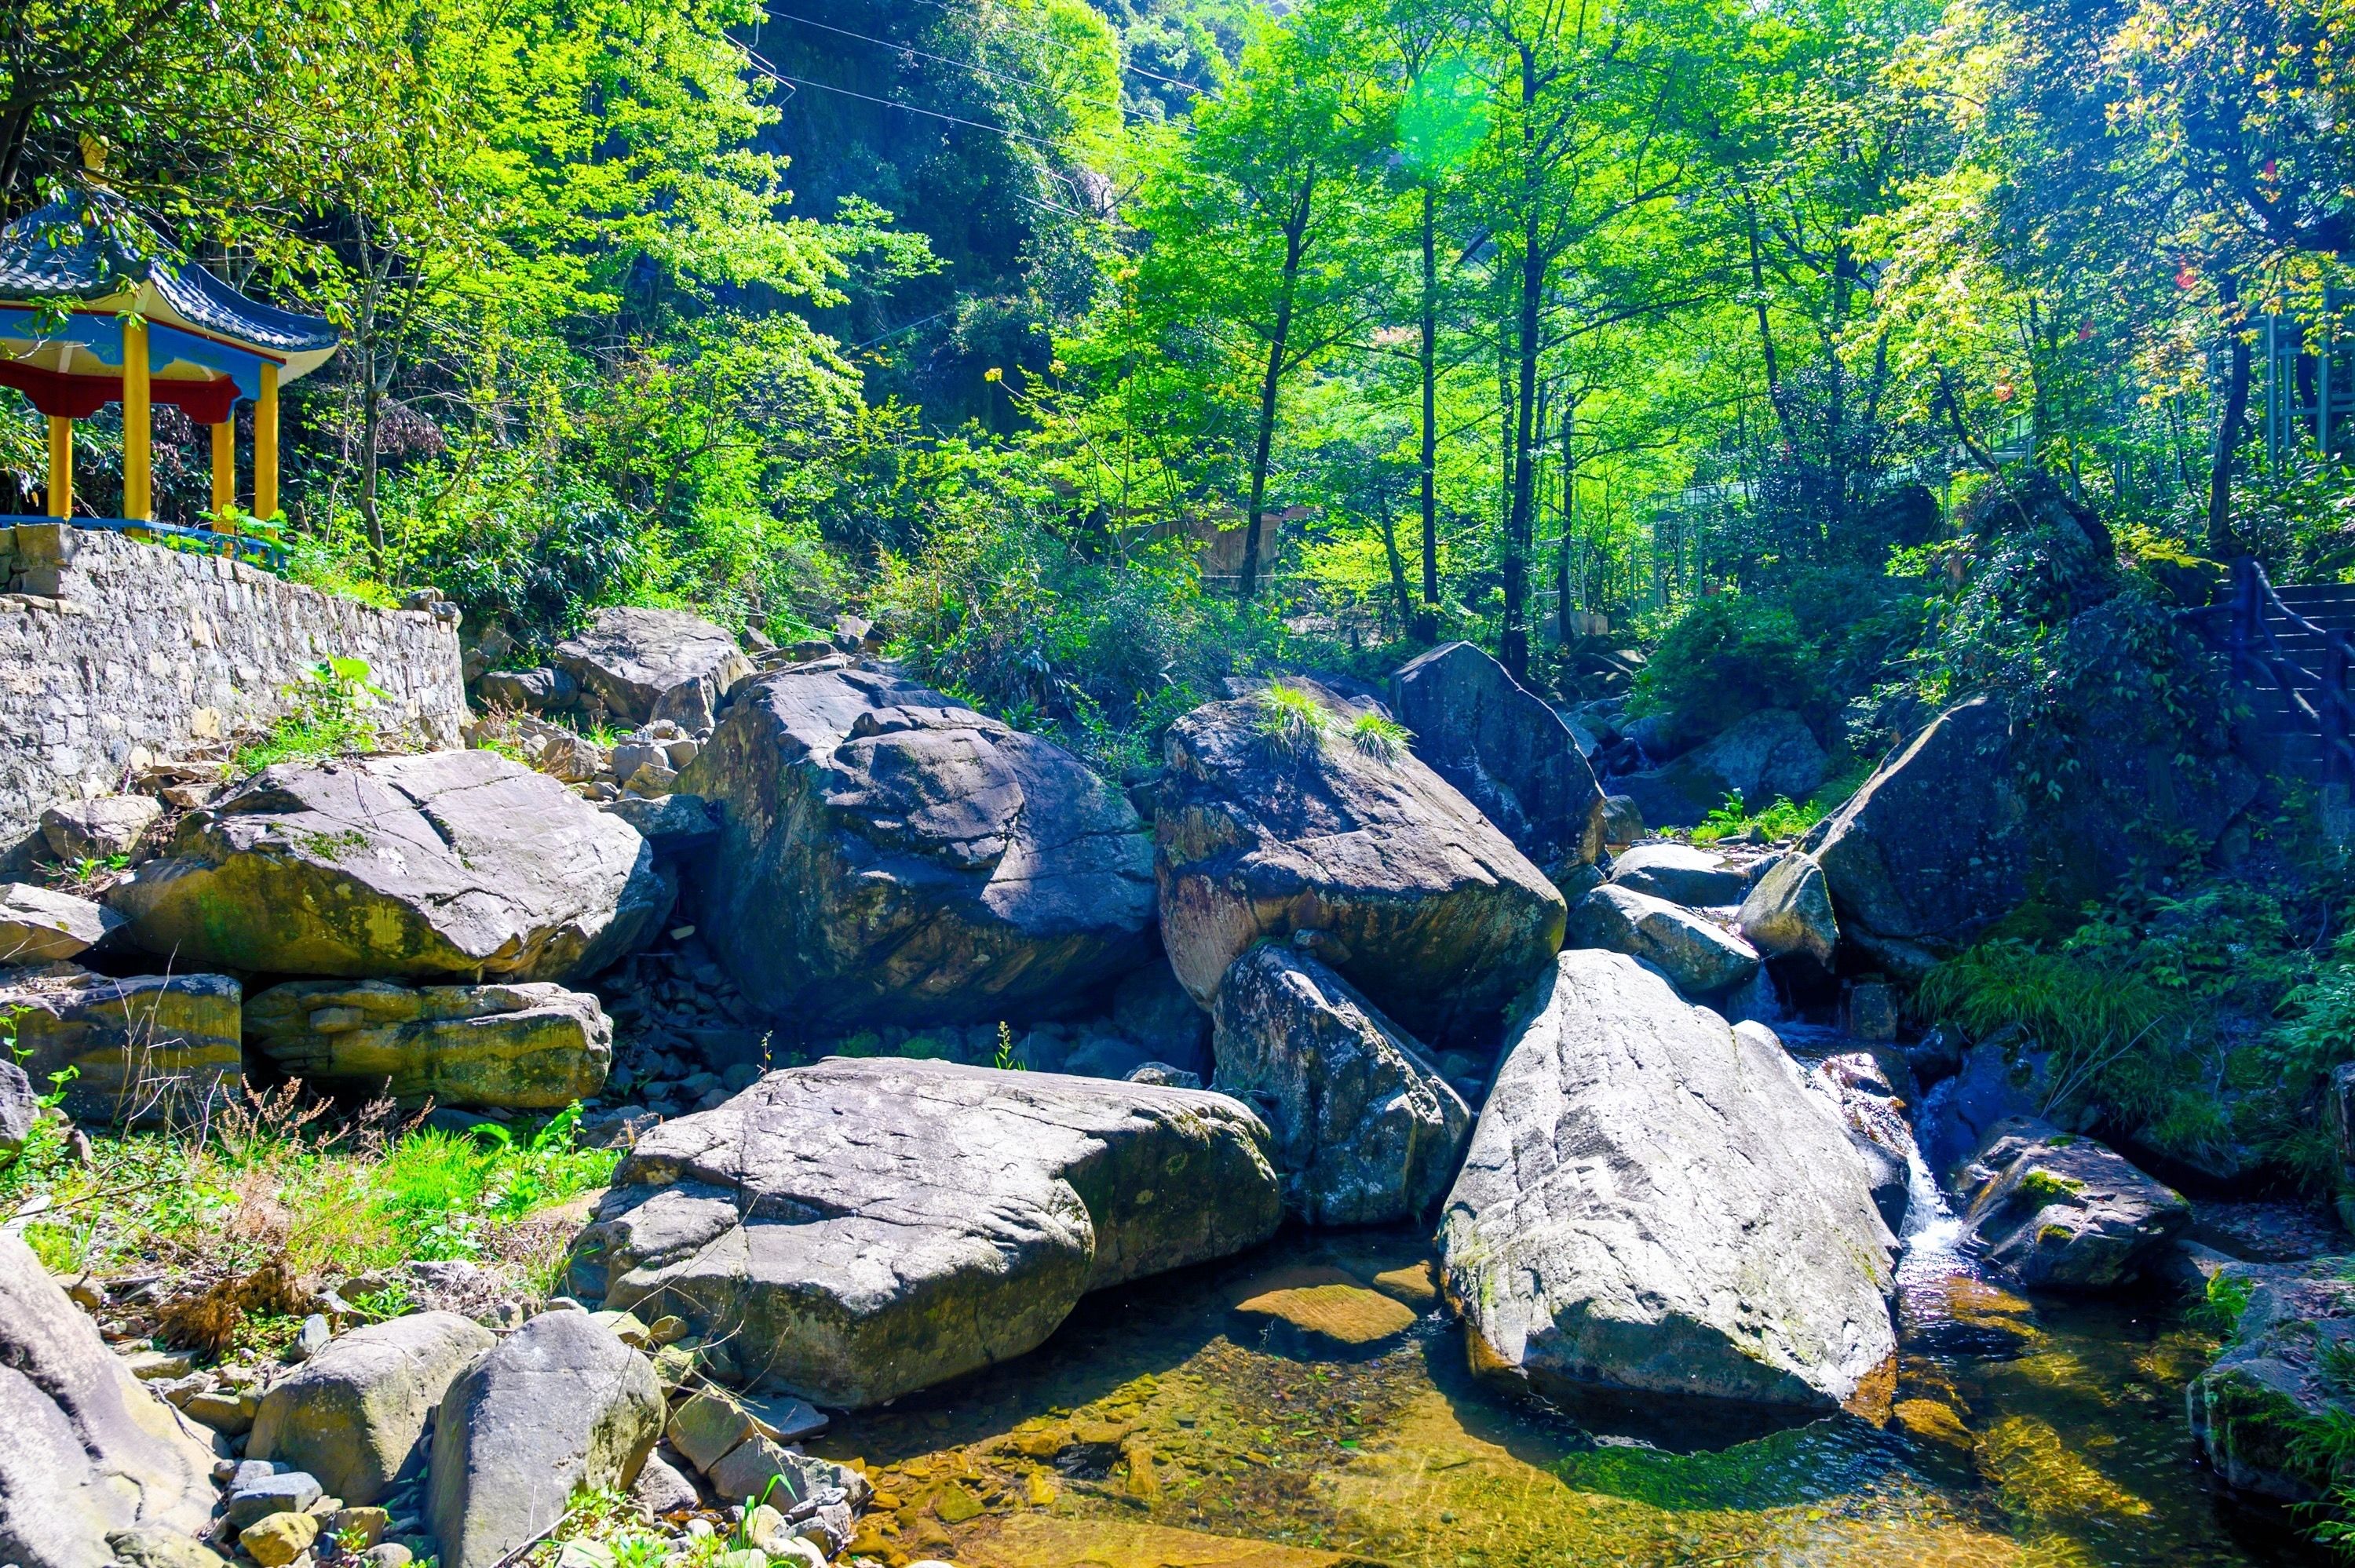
{"x": 1382, "y": 738}
{"x": 1290, "y": 722}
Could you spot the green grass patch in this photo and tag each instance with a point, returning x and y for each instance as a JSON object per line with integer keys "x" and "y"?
{"x": 1291, "y": 723}
{"x": 1380, "y": 738}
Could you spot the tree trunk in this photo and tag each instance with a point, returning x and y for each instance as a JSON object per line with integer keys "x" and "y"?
{"x": 371, "y": 414}
{"x": 1397, "y": 564}
{"x": 1514, "y": 644}
{"x": 2222, "y": 545}
{"x": 1569, "y": 513}
{"x": 1295, "y": 241}
{"x": 1427, "y": 623}
{"x": 1766, "y": 327}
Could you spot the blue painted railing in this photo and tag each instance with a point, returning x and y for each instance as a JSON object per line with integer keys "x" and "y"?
{"x": 250, "y": 546}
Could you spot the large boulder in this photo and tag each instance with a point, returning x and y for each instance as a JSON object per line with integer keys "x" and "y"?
{"x": 1682, "y": 875}
{"x": 41, "y": 926}
{"x": 1652, "y": 1203}
{"x": 1765, "y": 756}
{"x": 1934, "y": 848}
{"x": 86, "y": 1450}
{"x": 140, "y": 1049}
{"x": 352, "y": 1414}
{"x": 448, "y": 863}
{"x": 533, "y": 1046}
{"x": 561, "y": 1406}
{"x": 886, "y": 855}
{"x": 1788, "y": 912}
{"x": 2055, "y": 1210}
{"x": 2278, "y": 1380}
{"x": 1367, "y": 1130}
{"x": 1874, "y": 1116}
{"x": 647, "y": 665}
{"x": 1700, "y": 958}
{"x": 1418, "y": 900}
{"x": 1511, "y": 755}
{"x": 861, "y": 1228}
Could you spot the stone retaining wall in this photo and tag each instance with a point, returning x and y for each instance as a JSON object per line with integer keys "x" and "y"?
{"x": 115, "y": 653}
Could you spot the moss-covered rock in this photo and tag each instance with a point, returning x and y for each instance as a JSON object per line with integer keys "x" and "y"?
{"x": 2283, "y": 1380}
{"x": 524, "y": 1047}
{"x": 143, "y": 1048}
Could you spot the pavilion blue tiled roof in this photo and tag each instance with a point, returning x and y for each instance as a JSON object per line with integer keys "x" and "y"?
{"x": 87, "y": 245}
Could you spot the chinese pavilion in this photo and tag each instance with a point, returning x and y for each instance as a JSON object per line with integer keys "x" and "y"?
{"x": 95, "y": 309}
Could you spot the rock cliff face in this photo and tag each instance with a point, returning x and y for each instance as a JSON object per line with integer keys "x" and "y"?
{"x": 859, "y": 1229}
{"x": 1418, "y": 900}
{"x": 442, "y": 865}
{"x": 1652, "y": 1203}
{"x": 1934, "y": 849}
{"x": 888, "y": 856}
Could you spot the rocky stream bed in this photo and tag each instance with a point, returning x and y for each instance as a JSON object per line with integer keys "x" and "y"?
{"x": 1319, "y": 1150}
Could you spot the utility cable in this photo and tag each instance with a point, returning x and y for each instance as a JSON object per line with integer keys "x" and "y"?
{"x": 1045, "y": 38}
{"x": 771, "y": 72}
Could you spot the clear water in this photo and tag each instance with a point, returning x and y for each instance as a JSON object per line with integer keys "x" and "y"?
{"x": 2076, "y": 1453}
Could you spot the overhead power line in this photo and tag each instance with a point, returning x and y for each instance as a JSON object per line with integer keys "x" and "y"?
{"x": 773, "y": 74}
{"x": 1058, "y": 43}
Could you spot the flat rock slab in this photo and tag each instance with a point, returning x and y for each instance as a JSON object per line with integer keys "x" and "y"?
{"x": 41, "y": 926}
{"x": 1699, "y": 958}
{"x": 86, "y": 1450}
{"x": 647, "y": 665}
{"x": 353, "y": 1413}
{"x": 859, "y": 1229}
{"x": 529, "y": 1046}
{"x": 444, "y": 865}
{"x": 1313, "y": 1309}
{"x": 141, "y": 1049}
{"x": 1655, "y": 1204}
{"x": 1680, "y": 873}
{"x": 96, "y": 828}
{"x": 560, "y": 1406}
{"x": 889, "y": 855}
{"x": 1417, "y": 899}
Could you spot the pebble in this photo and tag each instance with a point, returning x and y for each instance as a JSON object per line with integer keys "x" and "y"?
{"x": 290, "y": 1492}
{"x": 387, "y": 1554}
{"x": 277, "y": 1539}
{"x": 311, "y": 1339}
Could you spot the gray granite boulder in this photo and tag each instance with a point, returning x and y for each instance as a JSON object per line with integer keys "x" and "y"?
{"x": 1934, "y": 849}
{"x": 647, "y": 665}
{"x": 86, "y": 1450}
{"x": 859, "y": 1229}
{"x": 1416, "y": 898}
{"x": 561, "y": 1406}
{"x": 1655, "y": 1204}
{"x": 141, "y": 1049}
{"x": 1511, "y": 755}
{"x": 2056, "y": 1211}
{"x": 353, "y": 1413}
{"x": 532, "y": 1046}
{"x": 1680, "y": 873}
{"x": 1874, "y": 1116}
{"x": 1789, "y": 914}
{"x": 20, "y": 1107}
{"x": 41, "y": 926}
{"x": 1701, "y": 959}
{"x": 888, "y": 856}
{"x": 447, "y": 864}
{"x": 1366, "y": 1131}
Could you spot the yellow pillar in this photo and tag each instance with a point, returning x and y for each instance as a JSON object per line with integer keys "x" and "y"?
{"x": 138, "y": 501}
{"x": 224, "y": 466}
{"x": 265, "y": 445}
{"x": 60, "y": 466}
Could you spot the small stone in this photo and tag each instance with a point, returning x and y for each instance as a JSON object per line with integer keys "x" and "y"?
{"x": 87, "y": 1294}
{"x": 150, "y": 1365}
{"x": 626, "y": 1327}
{"x": 387, "y": 1554}
{"x": 311, "y": 1339}
{"x": 956, "y": 1504}
{"x": 666, "y": 1329}
{"x": 221, "y": 1409}
{"x": 291, "y": 1491}
{"x": 276, "y": 1541}
{"x": 1412, "y": 1286}
{"x": 357, "y": 1529}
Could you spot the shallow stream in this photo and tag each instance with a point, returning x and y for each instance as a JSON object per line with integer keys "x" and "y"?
{"x": 1160, "y": 1428}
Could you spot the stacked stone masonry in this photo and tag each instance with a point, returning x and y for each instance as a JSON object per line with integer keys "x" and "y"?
{"x": 114, "y": 653}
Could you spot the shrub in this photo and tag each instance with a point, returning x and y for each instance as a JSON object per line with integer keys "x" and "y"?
{"x": 1726, "y": 658}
